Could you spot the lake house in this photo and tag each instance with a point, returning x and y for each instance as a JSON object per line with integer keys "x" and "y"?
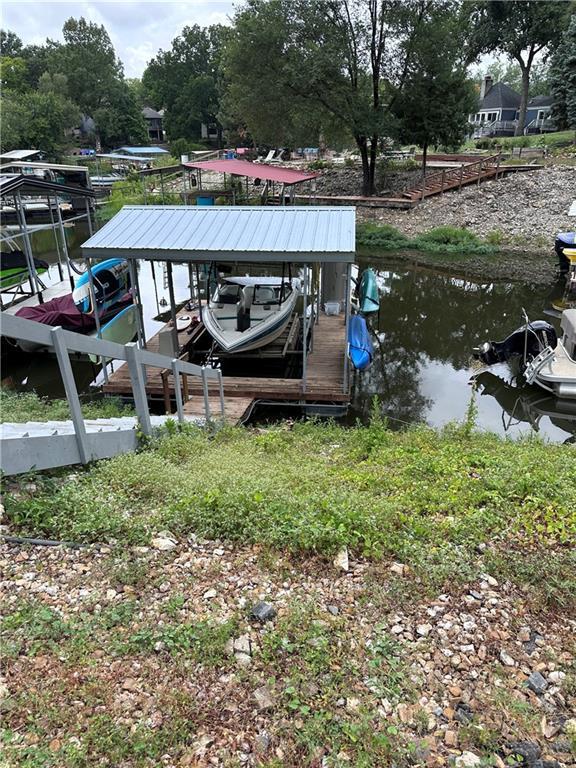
{"x": 498, "y": 111}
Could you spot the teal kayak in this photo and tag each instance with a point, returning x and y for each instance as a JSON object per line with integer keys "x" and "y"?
{"x": 369, "y": 300}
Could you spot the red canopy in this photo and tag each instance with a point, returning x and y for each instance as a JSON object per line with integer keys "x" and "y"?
{"x": 254, "y": 170}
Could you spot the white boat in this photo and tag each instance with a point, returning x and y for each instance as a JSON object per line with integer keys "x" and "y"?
{"x": 554, "y": 368}
{"x": 245, "y": 313}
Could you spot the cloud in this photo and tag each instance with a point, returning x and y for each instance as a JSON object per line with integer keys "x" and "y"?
{"x": 138, "y": 30}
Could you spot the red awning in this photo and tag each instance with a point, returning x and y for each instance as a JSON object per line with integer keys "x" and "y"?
{"x": 254, "y": 170}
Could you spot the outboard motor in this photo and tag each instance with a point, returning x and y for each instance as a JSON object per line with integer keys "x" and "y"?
{"x": 243, "y": 312}
{"x": 540, "y": 335}
{"x": 564, "y": 240}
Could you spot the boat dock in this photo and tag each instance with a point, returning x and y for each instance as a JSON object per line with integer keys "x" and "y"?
{"x": 324, "y": 385}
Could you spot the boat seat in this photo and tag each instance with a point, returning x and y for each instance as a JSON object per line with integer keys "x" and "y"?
{"x": 568, "y": 326}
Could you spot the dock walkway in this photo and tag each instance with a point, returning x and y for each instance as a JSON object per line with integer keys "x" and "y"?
{"x": 324, "y": 379}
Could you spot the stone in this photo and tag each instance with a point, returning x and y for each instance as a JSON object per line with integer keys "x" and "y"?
{"x": 399, "y": 569}
{"x": 262, "y": 742}
{"x": 333, "y": 609}
{"x": 341, "y": 560}
{"x": 424, "y": 629}
{"x": 262, "y": 611}
{"x": 450, "y": 738}
{"x": 529, "y": 751}
{"x": 524, "y": 634}
{"x": 210, "y": 594}
{"x": 243, "y": 659}
{"x": 467, "y": 760}
{"x": 242, "y": 644}
{"x": 557, "y": 676}
{"x": 537, "y": 683}
{"x": 4, "y": 692}
{"x": 352, "y": 703}
{"x": 506, "y": 659}
{"x": 463, "y": 713}
{"x": 164, "y": 541}
{"x": 264, "y": 698}
{"x": 570, "y": 727}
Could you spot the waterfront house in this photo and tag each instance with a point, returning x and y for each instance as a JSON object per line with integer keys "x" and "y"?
{"x": 498, "y": 111}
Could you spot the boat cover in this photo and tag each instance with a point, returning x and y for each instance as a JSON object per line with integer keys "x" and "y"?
{"x": 62, "y": 311}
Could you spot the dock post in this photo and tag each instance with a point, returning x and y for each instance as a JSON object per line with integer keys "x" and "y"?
{"x": 346, "y": 325}
{"x": 461, "y": 174}
{"x": 89, "y": 217}
{"x": 177, "y": 390}
{"x": 51, "y": 214}
{"x": 221, "y": 387}
{"x": 138, "y": 387}
{"x": 172, "y": 308}
{"x": 139, "y": 315}
{"x": 28, "y": 249}
{"x": 96, "y": 316}
{"x": 71, "y": 393}
{"x": 205, "y": 391}
{"x": 304, "y": 327}
{"x": 64, "y": 243}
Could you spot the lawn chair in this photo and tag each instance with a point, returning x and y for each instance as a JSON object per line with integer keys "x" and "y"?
{"x": 266, "y": 159}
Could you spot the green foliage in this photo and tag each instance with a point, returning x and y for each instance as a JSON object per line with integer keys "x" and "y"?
{"x": 439, "y": 240}
{"x": 563, "y": 78}
{"x": 28, "y": 406}
{"x": 421, "y": 496}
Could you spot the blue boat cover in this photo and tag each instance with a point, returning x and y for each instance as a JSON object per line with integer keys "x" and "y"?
{"x": 359, "y": 343}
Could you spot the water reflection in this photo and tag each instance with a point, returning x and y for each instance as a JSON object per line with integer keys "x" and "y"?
{"x": 428, "y": 323}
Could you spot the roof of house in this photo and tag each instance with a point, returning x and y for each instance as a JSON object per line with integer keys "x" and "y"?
{"x": 151, "y": 114}
{"x": 500, "y": 96}
{"x": 143, "y": 150}
{"x": 541, "y": 101}
{"x": 20, "y": 154}
{"x": 181, "y": 233}
{"x": 255, "y": 170}
{"x": 11, "y": 183}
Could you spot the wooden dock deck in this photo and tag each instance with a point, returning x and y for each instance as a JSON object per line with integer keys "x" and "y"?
{"x": 324, "y": 378}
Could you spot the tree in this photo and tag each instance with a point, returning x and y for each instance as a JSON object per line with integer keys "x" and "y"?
{"x": 42, "y": 120}
{"x": 185, "y": 81}
{"x": 13, "y": 74}
{"x": 437, "y": 98}
{"x": 509, "y": 72}
{"x": 342, "y": 62}
{"x": 521, "y": 29}
{"x": 563, "y": 78}
{"x": 10, "y": 43}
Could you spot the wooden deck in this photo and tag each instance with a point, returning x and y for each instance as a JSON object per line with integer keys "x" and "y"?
{"x": 324, "y": 378}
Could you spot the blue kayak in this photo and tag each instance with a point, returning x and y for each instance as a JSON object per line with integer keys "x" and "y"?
{"x": 359, "y": 343}
{"x": 368, "y": 290}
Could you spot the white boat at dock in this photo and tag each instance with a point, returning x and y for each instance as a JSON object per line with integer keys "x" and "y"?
{"x": 245, "y": 313}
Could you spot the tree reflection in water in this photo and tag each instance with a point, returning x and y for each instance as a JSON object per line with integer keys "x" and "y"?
{"x": 430, "y": 319}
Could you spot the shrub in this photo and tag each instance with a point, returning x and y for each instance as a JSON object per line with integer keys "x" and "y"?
{"x": 450, "y": 236}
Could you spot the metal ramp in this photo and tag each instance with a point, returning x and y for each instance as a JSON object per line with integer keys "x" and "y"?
{"x": 36, "y": 445}
{"x": 44, "y": 445}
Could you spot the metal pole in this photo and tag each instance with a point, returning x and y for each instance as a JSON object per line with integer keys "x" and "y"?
{"x": 64, "y": 243}
{"x": 51, "y": 214}
{"x": 221, "y": 387}
{"x": 345, "y": 383}
{"x": 177, "y": 391}
{"x": 162, "y": 186}
{"x": 96, "y": 316}
{"x": 206, "y": 397}
{"x": 173, "y": 309}
{"x": 138, "y": 388}
{"x": 304, "y": 328}
{"x": 71, "y": 393}
{"x": 89, "y": 217}
{"x": 138, "y": 302}
{"x": 191, "y": 280}
{"x": 28, "y": 249}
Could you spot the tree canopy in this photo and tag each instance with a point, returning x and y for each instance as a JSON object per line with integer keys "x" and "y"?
{"x": 520, "y": 29}
{"x": 563, "y": 78}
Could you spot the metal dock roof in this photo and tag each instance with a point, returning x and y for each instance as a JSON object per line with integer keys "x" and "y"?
{"x": 301, "y": 234}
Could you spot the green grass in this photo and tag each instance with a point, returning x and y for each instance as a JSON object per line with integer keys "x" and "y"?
{"x": 445, "y": 240}
{"x": 425, "y": 497}
{"x": 28, "y": 406}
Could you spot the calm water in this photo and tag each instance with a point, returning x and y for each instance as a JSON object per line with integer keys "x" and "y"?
{"x": 428, "y": 323}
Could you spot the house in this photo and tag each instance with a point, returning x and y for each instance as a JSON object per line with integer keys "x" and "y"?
{"x": 153, "y": 122}
{"x": 498, "y": 111}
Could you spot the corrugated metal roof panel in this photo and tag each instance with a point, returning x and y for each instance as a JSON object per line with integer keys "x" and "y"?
{"x": 226, "y": 233}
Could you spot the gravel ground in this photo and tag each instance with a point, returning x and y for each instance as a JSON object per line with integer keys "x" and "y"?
{"x": 446, "y": 679}
{"x": 527, "y": 208}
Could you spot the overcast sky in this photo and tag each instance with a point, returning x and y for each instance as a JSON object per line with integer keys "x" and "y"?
{"x": 137, "y": 29}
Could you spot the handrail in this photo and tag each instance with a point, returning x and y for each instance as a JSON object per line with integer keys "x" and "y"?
{"x": 442, "y": 176}
{"x": 64, "y": 341}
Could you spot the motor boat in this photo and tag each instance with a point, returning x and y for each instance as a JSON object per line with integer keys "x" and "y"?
{"x": 564, "y": 240}
{"x": 14, "y": 268}
{"x": 77, "y": 311}
{"x": 545, "y": 360}
{"x": 245, "y": 313}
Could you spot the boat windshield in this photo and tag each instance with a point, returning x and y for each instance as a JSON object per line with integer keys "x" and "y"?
{"x": 229, "y": 293}
{"x": 271, "y": 294}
